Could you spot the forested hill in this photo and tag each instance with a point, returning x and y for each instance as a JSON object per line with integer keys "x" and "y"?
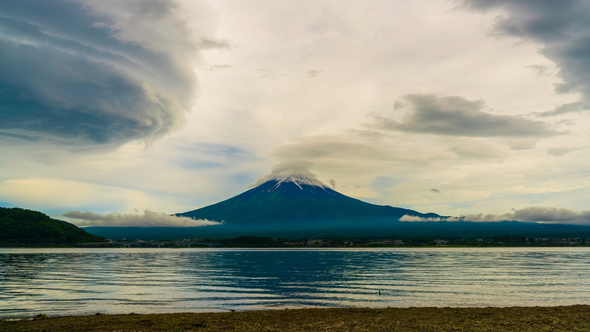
{"x": 20, "y": 226}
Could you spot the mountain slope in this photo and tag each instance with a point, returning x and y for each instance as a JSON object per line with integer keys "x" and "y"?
{"x": 18, "y": 226}
{"x": 295, "y": 199}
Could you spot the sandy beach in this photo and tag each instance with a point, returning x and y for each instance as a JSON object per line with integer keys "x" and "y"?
{"x": 567, "y": 318}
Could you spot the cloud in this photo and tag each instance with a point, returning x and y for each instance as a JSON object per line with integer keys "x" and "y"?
{"x": 313, "y": 73}
{"x": 561, "y": 28}
{"x": 332, "y": 184}
{"x": 531, "y": 214}
{"x": 550, "y": 215}
{"x": 436, "y": 191}
{"x": 456, "y": 116}
{"x": 216, "y": 67}
{"x": 99, "y": 72}
{"x": 298, "y": 170}
{"x": 566, "y": 108}
{"x": 561, "y": 151}
{"x": 350, "y": 148}
{"x": 536, "y": 214}
{"x": 147, "y": 219}
{"x": 408, "y": 218}
{"x": 210, "y": 155}
{"x": 468, "y": 149}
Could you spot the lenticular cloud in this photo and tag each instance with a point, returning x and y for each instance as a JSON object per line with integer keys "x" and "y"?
{"x": 99, "y": 72}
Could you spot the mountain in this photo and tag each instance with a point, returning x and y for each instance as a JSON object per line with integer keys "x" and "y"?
{"x": 296, "y": 199}
{"x": 20, "y": 226}
{"x": 297, "y": 206}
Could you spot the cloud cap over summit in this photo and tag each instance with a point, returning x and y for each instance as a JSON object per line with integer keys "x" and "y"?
{"x": 289, "y": 171}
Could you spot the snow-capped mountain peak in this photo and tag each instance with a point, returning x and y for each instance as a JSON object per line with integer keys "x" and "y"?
{"x": 299, "y": 181}
{"x": 296, "y": 172}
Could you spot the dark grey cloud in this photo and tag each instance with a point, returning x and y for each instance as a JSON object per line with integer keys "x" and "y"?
{"x": 72, "y": 72}
{"x": 561, "y": 27}
{"x": 457, "y": 116}
{"x": 436, "y": 191}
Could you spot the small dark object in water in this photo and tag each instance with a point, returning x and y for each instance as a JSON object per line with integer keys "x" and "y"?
{"x": 232, "y": 310}
{"x": 41, "y": 316}
{"x": 379, "y": 293}
{"x": 100, "y": 314}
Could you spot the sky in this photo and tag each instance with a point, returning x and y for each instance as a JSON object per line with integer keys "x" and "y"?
{"x": 132, "y": 110}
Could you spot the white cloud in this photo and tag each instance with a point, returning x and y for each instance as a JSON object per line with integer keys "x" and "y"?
{"x": 408, "y": 218}
{"x": 296, "y": 170}
{"x": 550, "y": 215}
{"x": 530, "y": 214}
{"x": 147, "y": 219}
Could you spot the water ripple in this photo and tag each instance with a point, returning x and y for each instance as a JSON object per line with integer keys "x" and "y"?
{"x": 84, "y": 281}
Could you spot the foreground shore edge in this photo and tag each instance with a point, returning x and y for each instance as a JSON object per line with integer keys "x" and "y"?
{"x": 566, "y": 318}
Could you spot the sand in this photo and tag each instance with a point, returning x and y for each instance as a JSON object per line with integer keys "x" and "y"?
{"x": 570, "y": 318}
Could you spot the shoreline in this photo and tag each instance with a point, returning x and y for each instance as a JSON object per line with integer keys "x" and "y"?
{"x": 558, "y": 318}
{"x": 295, "y": 248}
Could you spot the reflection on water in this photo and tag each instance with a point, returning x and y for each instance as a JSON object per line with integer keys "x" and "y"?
{"x": 84, "y": 281}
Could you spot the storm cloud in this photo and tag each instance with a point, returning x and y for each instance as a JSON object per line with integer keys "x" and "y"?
{"x": 457, "y": 116}
{"x": 561, "y": 27}
{"x": 147, "y": 219}
{"x": 98, "y": 72}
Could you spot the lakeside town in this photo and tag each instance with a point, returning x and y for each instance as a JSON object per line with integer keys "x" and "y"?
{"x": 268, "y": 242}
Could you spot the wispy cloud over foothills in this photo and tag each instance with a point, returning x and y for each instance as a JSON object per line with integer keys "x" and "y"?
{"x": 146, "y": 219}
{"x": 459, "y": 107}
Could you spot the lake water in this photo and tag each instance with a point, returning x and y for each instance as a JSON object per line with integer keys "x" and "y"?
{"x": 86, "y": 281}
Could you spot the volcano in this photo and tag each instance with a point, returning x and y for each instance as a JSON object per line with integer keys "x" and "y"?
{"x": 290, "y": 202}
{"x": 296, "y": 199}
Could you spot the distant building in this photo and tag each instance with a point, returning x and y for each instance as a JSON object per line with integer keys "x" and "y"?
{"x": 566, "y": 242}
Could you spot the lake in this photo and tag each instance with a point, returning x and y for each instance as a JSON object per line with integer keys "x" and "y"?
{"x": 86, "y": 281}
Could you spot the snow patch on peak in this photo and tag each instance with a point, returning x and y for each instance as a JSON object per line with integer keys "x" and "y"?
{"x": 295, "y": 171}
{"x": 298, "y": 181}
